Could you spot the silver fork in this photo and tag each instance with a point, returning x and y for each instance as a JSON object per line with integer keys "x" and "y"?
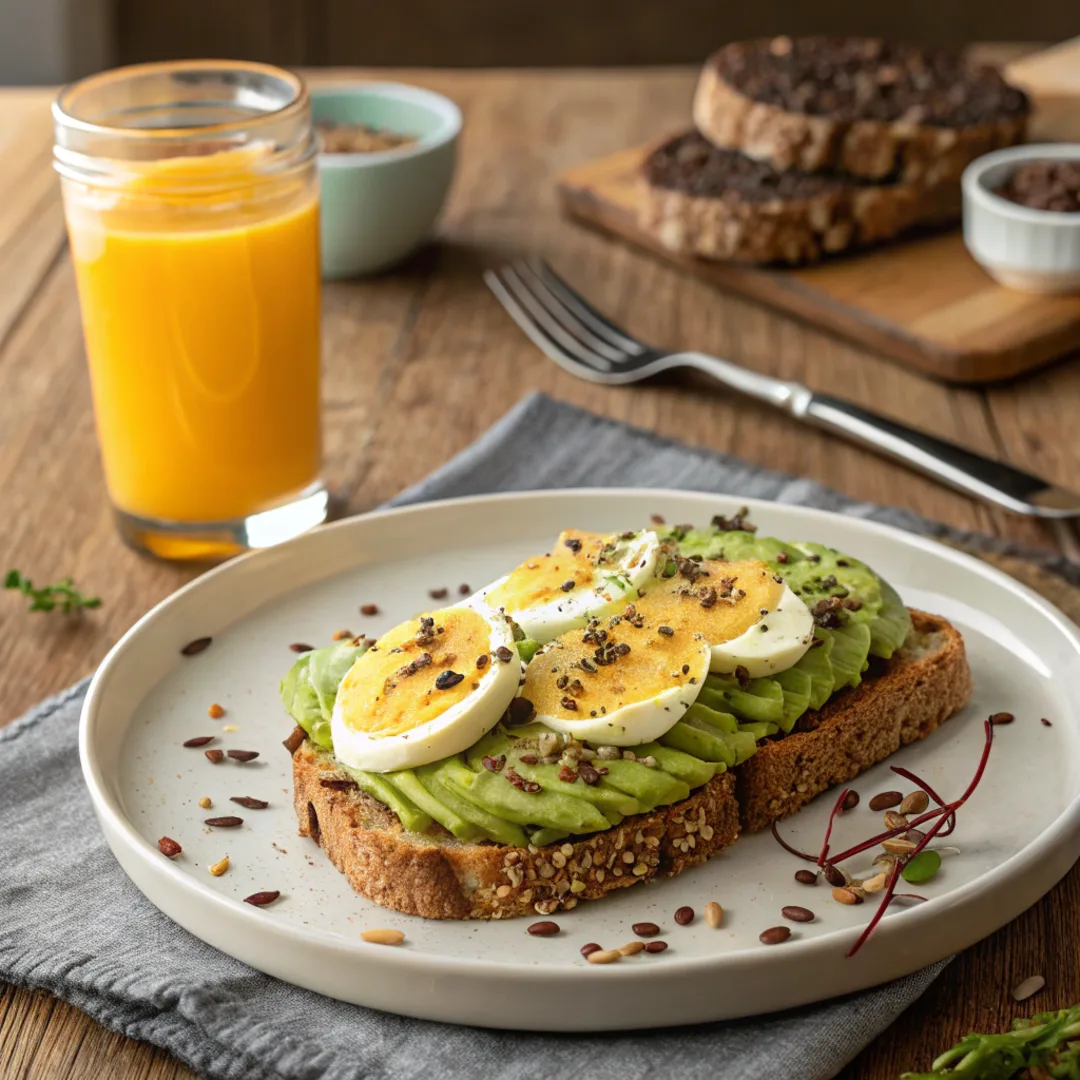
{"x": 565, "y": 326}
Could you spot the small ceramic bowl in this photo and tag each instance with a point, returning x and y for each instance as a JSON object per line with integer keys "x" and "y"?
{"x": 1023, "y": 248}
{"x": 378, "y": 207}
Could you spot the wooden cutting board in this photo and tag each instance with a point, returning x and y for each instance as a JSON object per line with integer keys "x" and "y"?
{"x": 923, "y": 301}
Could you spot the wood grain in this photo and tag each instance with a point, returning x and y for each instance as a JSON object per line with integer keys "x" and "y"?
{"x": 417, "y": 364}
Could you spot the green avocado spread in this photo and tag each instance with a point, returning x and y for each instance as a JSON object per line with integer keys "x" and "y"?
{"x": 857, "y": 616}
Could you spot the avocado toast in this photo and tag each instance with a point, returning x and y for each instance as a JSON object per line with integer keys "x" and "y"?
{"x": 554, "y": 802}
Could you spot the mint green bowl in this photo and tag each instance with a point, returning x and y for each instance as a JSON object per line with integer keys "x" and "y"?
{"x": 378, "y": 208}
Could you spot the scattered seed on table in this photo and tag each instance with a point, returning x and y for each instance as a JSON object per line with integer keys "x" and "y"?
{"x": 656, "y": 946}
{"x": 382, "y": 937}
{"x": 851, "y": 800}
{"x": 193, "y": 648}
{"x": 591, "y": 947}
{"x": 299, "y": 646}
{"x": 463, "y": 589}
{"x": 341, "y": 635}
{"x": 1002, "y": 718}
{"x": 369, "y": 609}
{"x": 438, "y": 594}
{"x": 806, "y": 877}
{"x": 835, "y": 876}
{"x": 645, "y": 929}
{"x": 261, "y": 899}
{"x": 205, "y": 802}
{"x": 1045, "y": 722}
{"x": 243, "y": 755}
{"x": 714, "y": 914}
{"x": 1028, "y": 988}
{"x": 219, "y": 868}
{"x": 543, "y": 929}
{"x": 886, "y": 800}
{"x": 199, "y": 740}
{"x": 215, "y": 712}
{"x": 632, "y": 948}
{"x": 774, "y": 935}
{"x": 214, "y": 756}
{"x": 797, "y": 914}
{"x": 846, "y": 896}
{"x": 249, "y": 803}
{"x": 168, "y": 846}
{"x": 915, "y": 802}
{"x": 684, "y": 916}
{"x": 604, "y": 956}
{"x": 227, "y": 822}
{"x": 921, "y": 868}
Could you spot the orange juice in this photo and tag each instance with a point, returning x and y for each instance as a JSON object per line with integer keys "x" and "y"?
{"x": 199, "y": 288}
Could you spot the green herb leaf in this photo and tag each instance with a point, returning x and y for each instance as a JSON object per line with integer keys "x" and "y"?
{"x": 922, "y": 867}
{"x": 63, "y": 594}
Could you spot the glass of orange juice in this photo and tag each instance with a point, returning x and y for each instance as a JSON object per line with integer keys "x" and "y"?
{"x": 192, "y": 203}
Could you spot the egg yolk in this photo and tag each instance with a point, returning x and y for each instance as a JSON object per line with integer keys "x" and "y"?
{"x": 720, "y": 600}
{"x": 417, "y": 671}
{"x": 572, "y": 563}
{"x": 613, "y": 662}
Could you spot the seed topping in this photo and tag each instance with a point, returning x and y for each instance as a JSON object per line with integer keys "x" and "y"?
{"x": 169, "y": 847}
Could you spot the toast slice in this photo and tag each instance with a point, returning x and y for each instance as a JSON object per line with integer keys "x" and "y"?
{"x": 699, "y": 200}
{"x": 438, "y": 877}
{"x": 859, "y": 106}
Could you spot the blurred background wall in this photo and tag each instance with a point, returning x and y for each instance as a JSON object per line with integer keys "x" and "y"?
{"x": 50, "y": 40}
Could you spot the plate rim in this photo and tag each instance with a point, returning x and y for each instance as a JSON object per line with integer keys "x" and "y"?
{"x": 116, "y": 824}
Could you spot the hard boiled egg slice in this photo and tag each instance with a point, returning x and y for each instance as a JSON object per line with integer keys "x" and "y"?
{"x": 425, "y": 690}
{"x": 586, "y": 575}
{"x": 747, "y": 613}
{"x": 618, "y": 681}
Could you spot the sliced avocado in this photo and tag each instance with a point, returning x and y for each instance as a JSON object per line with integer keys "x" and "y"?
{"x": 717, "y": 719}
{"x": 797, "y": 686}
{"x": 761, "y": 700}
{"x": 815, "y": 662}
{"x": 407, "y": 782}
{"x": 527, "y": 648}
{"x": 851, "y": 644}
{"x": 328, "y": 666}
{"x": 494, "y": 743}
{"x": 651, "y": 787}
{"x": 827, "y": 572}
{"x": 745, "y": 745}
{"x": 496, "y": 828}
{"x": 411, "y": 816}
{"x": 543, "y": 837}
{"x": 691, "y": 770}
{"x": 739, "y": 545}
{"x": 493, "y": 792}
{"x": 609, "y": 800}
{"x": 700, "y": 741}
{"x": 759, "y": 729}
{"x": 893, "y": 623}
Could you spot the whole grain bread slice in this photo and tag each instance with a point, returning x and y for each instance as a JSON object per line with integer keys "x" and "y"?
{"x": 719, "y": 204}
{"x": 439, "y": 877}
{"x": 861, "y": 106}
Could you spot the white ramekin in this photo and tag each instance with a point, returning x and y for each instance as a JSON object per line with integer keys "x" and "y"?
{"x": 1031, "y": 250}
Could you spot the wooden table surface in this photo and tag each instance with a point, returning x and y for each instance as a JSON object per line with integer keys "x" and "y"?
{"x": 417, "y": 364}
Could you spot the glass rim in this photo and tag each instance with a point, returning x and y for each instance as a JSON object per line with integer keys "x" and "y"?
{"x": 64, "y": 116}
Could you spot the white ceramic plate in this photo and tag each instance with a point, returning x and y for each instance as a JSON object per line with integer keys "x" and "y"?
{"x": 1018, "y": 835}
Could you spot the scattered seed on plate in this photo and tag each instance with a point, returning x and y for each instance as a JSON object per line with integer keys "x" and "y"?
{"x": 797, "y": 914}
{"x": 227, "y": 822}
{"x": 168, "y": 846}
{"x": 214, "y": 756}
{"x": 684, "y": 916}
{"x": 382, "y": 936}
{"x": 886, "y": 800}
{"x": 897, "y": 845}
{"x": 604, "y": 956}
{"x": 1045, "y": 722}
{"x": 219, "y": 868}
{"x": 875, "y": 884}
{"x": 590, "y": 947}
{"x": 369, "y": 609}
{"x": 851, "y": 800}
{"x": 545, "y": 928}
{"x": 714, "y": 914}
{"x": 1002, "y": 718}
{"x": 249, "y": 803}
{"x": 243, "y": 755}
{"x": 200, "y": 740}
{"x": 806, "y": 877}
{"x": 893, "y": 820}
{"x": 656, "y": 946}
{"x": 1028, "y": 988}
{"x": 215, "y": 712}
{"x": 341, "y": 635}
{"x": 261, "y": 899}
{"x": 205, "y": 802}
{"x": 632, "y": 948}
{"x": 846, "y": 896}
{"x": 645, "y": 929}
{"x": 193, "y": 648}
{"x": 915, "y": 802}
{"x": 774, "y": 935}
{"x": 299, "y": 646}
{"x": 463, "y": 589}
{"x": 835, "y": 876}
{"x": 438, "y": 594}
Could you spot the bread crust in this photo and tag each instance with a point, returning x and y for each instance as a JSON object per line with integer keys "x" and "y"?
{"x": 437, "y": 876}
{"x": 871, "y": 149}
{"x": 790, "y": 230}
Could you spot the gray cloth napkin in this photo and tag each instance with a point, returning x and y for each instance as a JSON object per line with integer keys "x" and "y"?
{"x": 72, "y": 923}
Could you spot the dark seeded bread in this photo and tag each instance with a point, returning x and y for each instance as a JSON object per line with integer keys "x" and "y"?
{"x": 860, "y": 106}
{"x": 720, "y": 204}
{"x": 920, "y": 688}
{"x": 438, "y": 877}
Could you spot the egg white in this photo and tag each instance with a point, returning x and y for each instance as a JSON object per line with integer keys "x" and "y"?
{"x": 452, "y": 731}
{"x": 774, "y": 643}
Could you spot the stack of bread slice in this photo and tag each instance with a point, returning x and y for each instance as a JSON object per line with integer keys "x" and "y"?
{"x": 805, "y": 147}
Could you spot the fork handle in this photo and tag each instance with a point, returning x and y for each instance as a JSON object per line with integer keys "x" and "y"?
{"x": 952, "y": 464}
